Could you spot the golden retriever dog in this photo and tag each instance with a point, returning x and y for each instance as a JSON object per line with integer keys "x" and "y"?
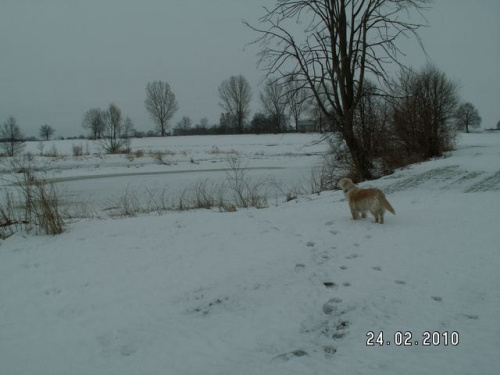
{"x": 363, "y": 200}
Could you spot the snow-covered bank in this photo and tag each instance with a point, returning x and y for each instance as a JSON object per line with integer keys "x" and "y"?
{"x": 292, "y": 289}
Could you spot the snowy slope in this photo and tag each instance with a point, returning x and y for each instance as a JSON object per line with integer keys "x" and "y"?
{"x": 291, "y": 289}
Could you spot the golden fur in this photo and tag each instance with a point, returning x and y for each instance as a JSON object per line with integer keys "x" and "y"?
{"x": 364, "y": 200}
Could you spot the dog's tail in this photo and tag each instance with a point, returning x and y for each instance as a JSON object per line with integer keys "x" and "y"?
{"x": 386, "y": 204}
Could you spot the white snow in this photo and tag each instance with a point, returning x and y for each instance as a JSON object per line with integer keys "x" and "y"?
{"x": 205, "y": 292}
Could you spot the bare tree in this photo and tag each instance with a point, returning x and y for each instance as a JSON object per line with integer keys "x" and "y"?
{"x": 298, "y": 100}
{"x": 116, "y": 132}
{"x": 371, "y": 122}
{"x": 161, "y": 104}
{"x": 11, "y": 137}
{"x": 46, "y": 131}
{"x": 343, "y": 41}
{"x": 274, "y": 102}
{"x": 93, "y": 121}
{"x": 424, "y": 105}
{"x": 235, "y": 95}
{"x": 467, "y": 116}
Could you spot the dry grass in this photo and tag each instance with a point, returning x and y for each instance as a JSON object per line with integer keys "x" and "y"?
{"x": 32, "y": 205}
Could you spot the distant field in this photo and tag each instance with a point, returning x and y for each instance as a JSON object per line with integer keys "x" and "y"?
{"x": 169, "y": 165}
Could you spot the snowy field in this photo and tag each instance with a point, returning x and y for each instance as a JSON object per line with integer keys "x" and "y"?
{"x": 98, "y": 179}
{"x": 294, "y": 288}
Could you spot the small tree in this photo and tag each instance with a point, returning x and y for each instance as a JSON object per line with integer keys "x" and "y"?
{"x": 298, "y": 101}
{"x": 261, "y": 124}
{"x": 467, "y": 116}
{"x": 116, "y": 132}
{"x": 161, "y": 104}
{"x": 93, "y": 121}
{"x": 183, "y": 126}
{"x": 11, "y": 137}
{"x": 46, "y": 131}
{"x": 423, "y": 112}
{"x": 235, "y": 95}
{"x": 274, "y": 102}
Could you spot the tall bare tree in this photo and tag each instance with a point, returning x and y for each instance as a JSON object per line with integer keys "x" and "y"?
{"x": 467, "y": 116}
{"x": 343, "y": 41}
{"x": 11, "y": 137}
{"x": 274, "y": 102}
{"x": 235, "y": 94}
{"x": 92, "y": 120}
{"x": 161, "y": 104}
{"x": 46, "y": 131}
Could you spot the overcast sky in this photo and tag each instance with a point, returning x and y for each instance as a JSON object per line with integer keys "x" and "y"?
{"x": 59, "y": 58}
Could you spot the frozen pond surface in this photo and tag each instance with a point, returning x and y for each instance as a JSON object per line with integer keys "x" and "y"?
{"x": 172, "y": 166}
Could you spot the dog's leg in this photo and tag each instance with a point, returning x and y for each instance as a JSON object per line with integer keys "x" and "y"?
{"x": 354, "y": 213}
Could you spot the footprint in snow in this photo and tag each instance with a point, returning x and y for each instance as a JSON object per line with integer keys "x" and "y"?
{"x": 300, "y": 267}
{"x": 331, "y": 306}
{"x": 473, "y": 317}
{"x": 310, "y": 244}
{"x": 400, "y": 282}
{"x": 329, "y": 350}
{"x": 352, "y": 256}
{"x": 290, "y": 355}
{"x": 330, "y": 284}
{"x": 377, "y": 268}
{"x": 437, "y": 298}
{"x": 343, "y": 268}
{"x": 48, "y": 292}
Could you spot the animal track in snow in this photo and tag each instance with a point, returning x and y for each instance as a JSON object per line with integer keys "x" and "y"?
{"x": 300, "y": 267}
{"x": 330, "y": 284}
{"x": 400, "y": 282}
{"x": 48, "y": 292}
{"x": 331, "y": 306}
{"x": 290, "y": 355}
{"x": 473, "y": 316}
{"x": 377, "y": 268}
{"x": 437, "y": 298}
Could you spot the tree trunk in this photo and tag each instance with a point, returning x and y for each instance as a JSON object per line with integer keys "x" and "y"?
{"x": 359, "y": 155}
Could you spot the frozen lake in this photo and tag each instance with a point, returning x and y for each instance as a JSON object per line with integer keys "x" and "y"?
{"x": 166, "y": 168}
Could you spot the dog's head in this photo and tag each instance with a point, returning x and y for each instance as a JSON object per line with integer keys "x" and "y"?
{"x": 345, "y": 184}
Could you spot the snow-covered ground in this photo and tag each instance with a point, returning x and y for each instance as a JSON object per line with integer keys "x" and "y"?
{"x": 290, "y": 289}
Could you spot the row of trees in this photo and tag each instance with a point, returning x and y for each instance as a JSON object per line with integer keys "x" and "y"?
{"x": 345, "y": 43}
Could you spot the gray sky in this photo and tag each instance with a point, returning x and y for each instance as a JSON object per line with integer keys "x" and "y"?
{"x": 59, "y": 58}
